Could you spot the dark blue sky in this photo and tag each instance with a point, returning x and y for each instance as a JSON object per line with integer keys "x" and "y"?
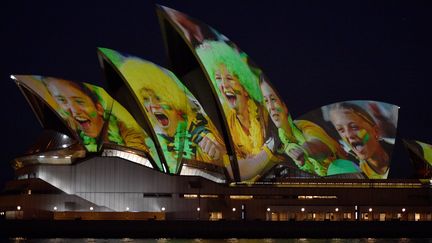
{"x": 315, "y": 52}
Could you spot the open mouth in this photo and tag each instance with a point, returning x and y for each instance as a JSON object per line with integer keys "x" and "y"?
{"x": 84, "y": 122}
{"x": 162, "y": 119}
{"x": 275, "y": 116}
{"x": 231, "y": 97}
{"x": 358, "y": 146}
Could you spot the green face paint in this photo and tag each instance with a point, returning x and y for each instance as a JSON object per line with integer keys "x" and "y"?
{"x": 363, "y": 135}
{"x": 166, "y": 107}
{"x": 64, "y": 113}
{"x": 93, "y": 114}
{"x": 366, "y": 138}
{"x": 279, "y": 109}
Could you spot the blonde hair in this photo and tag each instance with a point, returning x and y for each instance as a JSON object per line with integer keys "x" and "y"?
{"x": 142, "y": 75}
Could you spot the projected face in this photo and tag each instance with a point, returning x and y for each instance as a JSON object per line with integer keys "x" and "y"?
{"x": 231, "y": 89}
{"x": 277, "y": 110}
{"x": 161, "y": 113}
{"x": 190, "y": 29}
{"x": 86, "y": 113}
{"x": 357, "y": 131}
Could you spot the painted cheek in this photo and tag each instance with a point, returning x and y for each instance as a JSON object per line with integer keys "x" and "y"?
{"x": 166, "y": 107}
{"x": 363, "y": 135}
{"x": 64, "y": 112}
{"x": 93, "y": 114}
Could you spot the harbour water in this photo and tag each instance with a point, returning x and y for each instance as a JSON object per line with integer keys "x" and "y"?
{"x": 230, "y": 240}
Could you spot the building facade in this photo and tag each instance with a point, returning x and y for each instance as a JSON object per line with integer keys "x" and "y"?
{"x": 209, "y": 139}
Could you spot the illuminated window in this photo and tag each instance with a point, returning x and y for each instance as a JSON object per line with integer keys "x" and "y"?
{"x": 365, "y": 216}
{"x": 274, "y": 217}
{"x": 215, "y": 215}
{"x": 209, "y": 196}
{"x": 195, "y": 196}
{"x": 241, "y": 197}
{"x": 347, "y": 215}
{"x": 316, "y": 197}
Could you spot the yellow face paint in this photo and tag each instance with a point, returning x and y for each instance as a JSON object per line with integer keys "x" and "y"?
{"x": 363, "y": 135}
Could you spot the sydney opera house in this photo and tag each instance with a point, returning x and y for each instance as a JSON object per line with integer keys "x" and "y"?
{"x": 208, "y": 138}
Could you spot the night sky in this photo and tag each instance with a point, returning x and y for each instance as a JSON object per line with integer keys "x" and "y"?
{"x": 314, "y": 52}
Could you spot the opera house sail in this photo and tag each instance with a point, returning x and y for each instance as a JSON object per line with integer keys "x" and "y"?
{"x": 208, "y": 135}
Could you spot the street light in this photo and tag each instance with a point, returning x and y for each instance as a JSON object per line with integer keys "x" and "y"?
{"x": 268, "y": 209}
{"x": 91, "y": 208}
{"x": 337, "y": 209}
{"x": 18, "y": 208}
{"x": 302, "y": 209}
{"x": 370, "y": 209}
{"x": 163, "y": 209}
{"x": 233, "y": 209}
{"x": 198, "y": 209}
{"x": 403, "y": 210}
{"x": 55, "y": 208}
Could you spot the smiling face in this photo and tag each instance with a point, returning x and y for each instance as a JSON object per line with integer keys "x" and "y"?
{"x": 360, "y": 134}
{"x": 161, "y": 113}
{"x": 86, "y": 115}
{"x": 277, "y": 110}
{"x": 231, "y": 89}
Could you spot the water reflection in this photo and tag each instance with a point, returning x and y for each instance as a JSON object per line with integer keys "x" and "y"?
{"x": 230, "y": 240}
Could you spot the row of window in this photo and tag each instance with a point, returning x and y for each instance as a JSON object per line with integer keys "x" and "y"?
{"x": 336, "y": 184}
{"x": 241, "y": 197}
{"x": 347, "y": 216}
